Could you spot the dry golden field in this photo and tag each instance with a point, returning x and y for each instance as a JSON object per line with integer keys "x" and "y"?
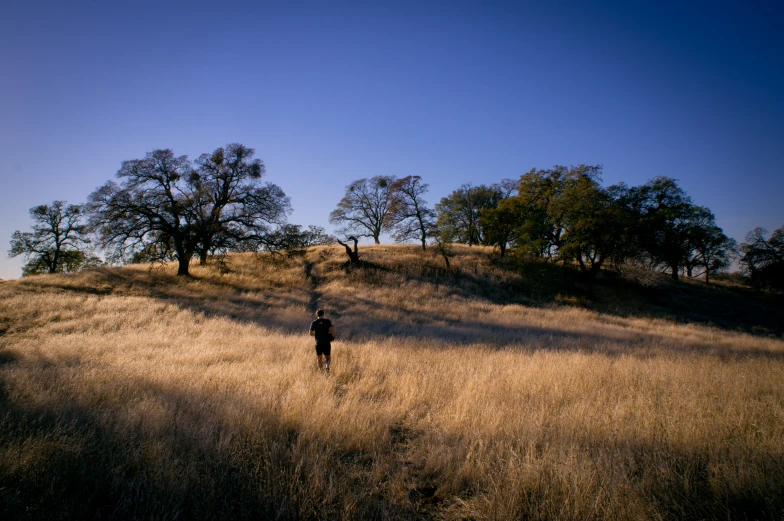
{"x": 129, "y": 393}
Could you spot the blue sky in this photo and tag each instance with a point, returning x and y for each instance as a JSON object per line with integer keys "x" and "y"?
{"x": 455, "y": 92}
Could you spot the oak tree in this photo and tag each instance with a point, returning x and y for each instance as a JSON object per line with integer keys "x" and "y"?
{"x": 232, "y": 207}
{"x": 460, "y": 214}
{"x": 164, "y": 208}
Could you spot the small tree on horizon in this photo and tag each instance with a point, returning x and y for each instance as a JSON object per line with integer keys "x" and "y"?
{"x": 365, "y": 209}
{"x": 410, "y": 216}
{"x": 292, "y": 239}
{"x": 763, "y": 259}
{"x": 58, "y": 242}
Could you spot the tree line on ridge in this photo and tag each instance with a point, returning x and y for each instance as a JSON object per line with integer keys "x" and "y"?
{"x": 168, "y": 208}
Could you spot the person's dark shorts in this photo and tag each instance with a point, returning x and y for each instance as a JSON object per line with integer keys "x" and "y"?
{"x": 323, "y": 349}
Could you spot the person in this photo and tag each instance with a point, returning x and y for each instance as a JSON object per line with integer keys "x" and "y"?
{"x": 322, "y": 329}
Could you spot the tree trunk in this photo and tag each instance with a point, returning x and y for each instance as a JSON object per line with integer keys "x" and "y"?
{"x": 581, "y": 262}
{"x": 204, "y": 250}
{"x": 55, "y": 261}
{"x": 183, "y": 260}
{"x": 182, "y": 267}
{"x": 596, "y": 267}
{"x": 674, "y": 269}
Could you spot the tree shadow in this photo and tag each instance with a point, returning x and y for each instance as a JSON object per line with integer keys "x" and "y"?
{"x": 541, "y": 284}
{"x": 91, "y": 457}
{"x": 361, "y": 318}
{"x": 432, "y": 330}
{"x": 90, "y": 461}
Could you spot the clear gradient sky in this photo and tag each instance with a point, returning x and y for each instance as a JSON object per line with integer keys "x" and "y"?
{"x": 456, "y": 92}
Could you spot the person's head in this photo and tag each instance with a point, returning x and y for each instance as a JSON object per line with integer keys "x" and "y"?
{"x": 320, "y": 313}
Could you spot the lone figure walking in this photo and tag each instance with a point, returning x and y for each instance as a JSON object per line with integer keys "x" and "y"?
{"x": 322, "y": 329}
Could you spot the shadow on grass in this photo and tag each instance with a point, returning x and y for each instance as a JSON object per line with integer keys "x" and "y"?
{"x": 82, "y": 460}
{"x": 536, "y": 283}
{"x": 289, "y": 310}
{"x": 78, "y": 460}
{"x": 435, "y": 329}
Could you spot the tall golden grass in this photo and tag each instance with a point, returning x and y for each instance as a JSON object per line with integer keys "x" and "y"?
{"x": 131, "y": 393}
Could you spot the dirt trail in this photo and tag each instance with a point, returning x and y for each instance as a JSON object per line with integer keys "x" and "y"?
{"x": 314, "y": 281}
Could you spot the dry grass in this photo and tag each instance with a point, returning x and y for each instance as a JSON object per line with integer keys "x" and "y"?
{"x": 130, "y": 393}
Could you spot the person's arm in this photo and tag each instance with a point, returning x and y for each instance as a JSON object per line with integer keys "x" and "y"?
{"x": 312, "y": 330}
{"x": 332, "y": 332}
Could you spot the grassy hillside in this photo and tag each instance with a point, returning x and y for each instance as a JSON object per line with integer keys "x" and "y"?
{"x": 491, "y": 391}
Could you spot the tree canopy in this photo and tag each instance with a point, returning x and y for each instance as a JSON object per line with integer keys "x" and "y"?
{"x": 164, "y": 208}
{"x": 460, "y": 213}
{"x": 409, "y": 214}
{"x": 365, "y": 209}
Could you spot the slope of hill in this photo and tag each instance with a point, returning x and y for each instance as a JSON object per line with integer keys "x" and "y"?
{"x": 487, "y": 391}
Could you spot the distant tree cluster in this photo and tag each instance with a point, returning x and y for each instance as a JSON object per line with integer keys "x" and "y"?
{"x": 165, "y": 207}
{"x": 763, "y": 259}
{"x": 564, "y": 213}
{"x": 384, "y": 203}
{"x": 560, "y": 214}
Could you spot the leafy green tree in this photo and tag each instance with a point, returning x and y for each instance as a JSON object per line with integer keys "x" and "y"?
{"x": 711, "y": 249}
{"x": 501, "y": 223}
{"x": 365, "y": 209}
{"x": 459, "y": 214}
{"x": 595, "y": 222}
{"x": 667, "y": 222}
{"x": 544, "y": 207}
{"x": 409, "y": 214}
{"x": 58, "y": 242}
{"x": 501, "y": 218}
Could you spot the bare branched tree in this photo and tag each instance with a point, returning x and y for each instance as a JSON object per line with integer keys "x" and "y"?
{"x": 230, "y": 205}
{"x": 57, "y": 241}
{"x": 364, "y": 211}
{"x": 410, "y": 216}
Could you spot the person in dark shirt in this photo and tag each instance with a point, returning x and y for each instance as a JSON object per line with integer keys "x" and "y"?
{"x": 322, "y": 329}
